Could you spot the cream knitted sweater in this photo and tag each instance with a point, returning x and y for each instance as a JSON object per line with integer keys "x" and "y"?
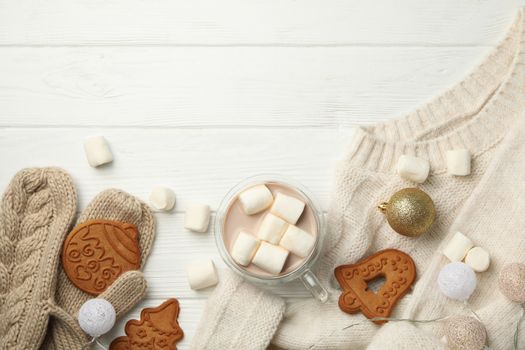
{"x": 484, "y": 114}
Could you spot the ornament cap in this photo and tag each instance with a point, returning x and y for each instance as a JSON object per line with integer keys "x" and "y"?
{"x": 382, "y": 207}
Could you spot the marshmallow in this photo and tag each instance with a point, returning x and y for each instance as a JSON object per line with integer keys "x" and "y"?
{"x": 271, "y": 229}
{"x": 413, "y": 168}
{"x": 244, "y": 248}
{"x": 457, "y": 247}
{"x": 297, "y": 241}
{"x": 478, "y": 258}
{"x": 287, "y": 207}
{"x": 201, "y": 274}
{"x": 197, "y": 217}
{"x": 270, "y": 258}
{"x": 162, "y": 198}
{"x": 97, "y": 151}
{"x": 255, "y": 199}
{"x": 458, "y": 162}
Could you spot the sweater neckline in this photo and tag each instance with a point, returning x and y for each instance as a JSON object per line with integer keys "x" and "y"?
{"x": 475, "y": 114}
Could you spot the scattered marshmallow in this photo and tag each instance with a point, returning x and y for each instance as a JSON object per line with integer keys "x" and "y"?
{"x": 197, "y": 217}
{"x": 457, "y": 247}
{"x": 287, "y": 207}
{"x": 202, "y": 274}
{"x": 97, "y": 151}
{"x": 255, "y": 199}
{"x": 162, "y": 198}
{"x": 271, "y": 229}
{"x": 270, "y": 258}
{"x": 413, "y": 168}
{"x": 478, "y": 258}
{"x": 297, "y": 241}
{"x": 244, "y": 248}
{"x": 458, "y": 162}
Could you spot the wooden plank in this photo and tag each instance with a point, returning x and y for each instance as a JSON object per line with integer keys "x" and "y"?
{"x": 222, "y": 87}
{"x": 248, "y": 22}
{"x": 200, "y": 165}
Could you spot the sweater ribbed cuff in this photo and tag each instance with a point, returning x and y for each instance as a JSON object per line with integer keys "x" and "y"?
{"x": 238, "y": 316}
{"x": 404, "y": 336}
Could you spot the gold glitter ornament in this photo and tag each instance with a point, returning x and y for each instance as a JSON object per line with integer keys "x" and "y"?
{"x": 409, "y": 212}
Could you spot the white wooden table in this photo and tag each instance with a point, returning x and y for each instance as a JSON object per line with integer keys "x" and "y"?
{"x": 197, "y": 95}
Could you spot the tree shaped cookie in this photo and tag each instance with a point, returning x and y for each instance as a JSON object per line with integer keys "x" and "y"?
{"x": 399, "y": 272}
{"x": 157, "y": 329}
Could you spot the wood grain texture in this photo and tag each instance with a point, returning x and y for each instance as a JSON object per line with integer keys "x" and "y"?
{"x": 198, "y": 164}
{"x": 223, "y": 87}
{"x": 197, "y": 95}
{"x": 253, "y": 22}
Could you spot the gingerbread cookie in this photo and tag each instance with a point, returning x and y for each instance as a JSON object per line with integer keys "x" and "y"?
{"x": 157, "y": 329}
{"x": 97, "y": 252}
{"x": 395, "y": 266}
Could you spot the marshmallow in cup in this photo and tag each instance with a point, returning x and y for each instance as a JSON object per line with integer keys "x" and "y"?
{"x": 261, "y": 258}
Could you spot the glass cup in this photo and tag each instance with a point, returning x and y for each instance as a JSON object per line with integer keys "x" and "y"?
{"x": 303, "y": 270}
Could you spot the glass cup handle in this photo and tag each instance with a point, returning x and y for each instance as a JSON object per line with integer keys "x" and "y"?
{"x": 311, "y": 282}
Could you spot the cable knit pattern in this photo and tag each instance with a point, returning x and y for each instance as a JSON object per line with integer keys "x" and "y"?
{"x": 479, "y": 115}
{"x": 36, "y": 212}
{"x": 126, "y": 291}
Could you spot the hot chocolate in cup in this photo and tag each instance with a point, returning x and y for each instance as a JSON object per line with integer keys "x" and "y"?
{"x": 232, "y": 219}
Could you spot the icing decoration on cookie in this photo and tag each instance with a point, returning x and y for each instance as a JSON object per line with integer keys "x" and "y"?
{"x": 399, "y": 272}
{"x": 97, "y": 252}
{"x": 157, "y": 329}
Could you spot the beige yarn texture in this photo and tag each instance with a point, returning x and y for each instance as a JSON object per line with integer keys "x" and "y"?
{"x": 483, "y": 114}
{"x": 245, "y": 314}
{"x": 125, "y": 292}
{"x": 36, "y": 211}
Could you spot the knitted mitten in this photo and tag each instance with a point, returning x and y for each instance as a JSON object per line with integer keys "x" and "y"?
{"x": 36, "y": 211}
{"x": 64, "y": 332}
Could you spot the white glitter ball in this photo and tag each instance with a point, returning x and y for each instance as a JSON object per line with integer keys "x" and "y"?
{"x": 96, "y": 317}
{"x": 457, "y": 280}
{"x": 465, "y": 333}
